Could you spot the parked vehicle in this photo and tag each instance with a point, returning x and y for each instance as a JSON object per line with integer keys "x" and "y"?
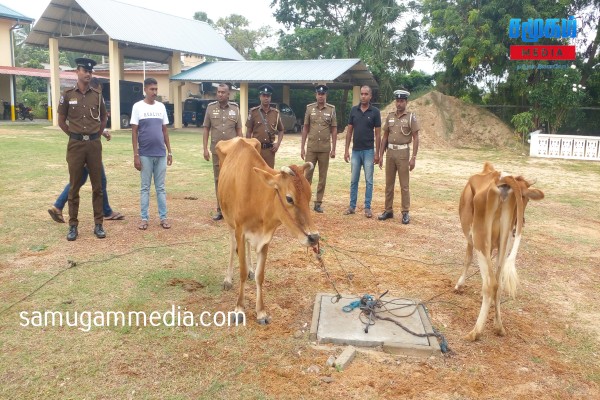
{"x": 129, "y": 92}
{"x": 24, "y": 112}
{"x": 288, "y": 117}
{"x": 170, "y": 112}
{"x": 194, "y": 111}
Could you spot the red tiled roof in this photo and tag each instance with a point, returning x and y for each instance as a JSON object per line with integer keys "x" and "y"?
{"x": 40, "y": 73}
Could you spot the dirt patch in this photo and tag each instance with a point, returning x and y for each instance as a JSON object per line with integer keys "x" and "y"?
{"x": 189, "y": 285}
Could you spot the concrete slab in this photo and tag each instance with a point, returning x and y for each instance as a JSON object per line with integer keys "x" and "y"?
{"x": 330, "y": 324}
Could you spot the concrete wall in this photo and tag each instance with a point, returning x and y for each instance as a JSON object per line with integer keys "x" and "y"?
{"x": 5, "y": 26}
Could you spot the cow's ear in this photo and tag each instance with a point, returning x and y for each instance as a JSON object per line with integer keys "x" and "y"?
{"x": 534, "y": 194}
{"x": 266, "y": 177}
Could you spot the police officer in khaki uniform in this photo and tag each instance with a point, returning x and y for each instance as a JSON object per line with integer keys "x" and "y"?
{"x": 264, "y": 123}
{"x": 400, "y": 129}
{"x": 320, "y": 127}
{"x": 223, "y": 122}
{"x": 83, "y": 106}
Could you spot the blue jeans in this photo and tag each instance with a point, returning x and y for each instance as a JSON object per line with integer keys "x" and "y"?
{"x": 157, "y": 167}
{"x": 361, "y": 159}
{"x": 62, "y": 199}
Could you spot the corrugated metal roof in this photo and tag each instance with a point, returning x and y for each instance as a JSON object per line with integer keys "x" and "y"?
{"x": 335, "y": 72}
{"x": 9, "y": 13}
{"x": 85, "y": 26}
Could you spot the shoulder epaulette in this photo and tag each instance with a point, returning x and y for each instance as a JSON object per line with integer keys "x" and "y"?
{"x": 212, "y": 102}
{"x": 330, "y": 105}
{"x": 254, "y": 108}
{"x": 233, "y": 103}
{"x": 311, "y": 104}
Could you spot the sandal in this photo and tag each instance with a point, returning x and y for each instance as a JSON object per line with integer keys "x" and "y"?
{"x": 143, "y": 225}
{"x": 56, "y": 215}
{"x": 349, "y": 211}
{"x": 115, "y": 216}
{"x": 165, "y": 224}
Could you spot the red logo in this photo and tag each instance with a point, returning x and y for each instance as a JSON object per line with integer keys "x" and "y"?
{"x": 540, "y": 52}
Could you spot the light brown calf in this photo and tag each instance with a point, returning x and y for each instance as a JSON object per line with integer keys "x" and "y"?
{"x": 255, "y": 200}
{"x": 492, "y": 212}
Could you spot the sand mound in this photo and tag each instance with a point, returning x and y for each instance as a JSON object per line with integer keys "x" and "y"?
{"x": 449, "y": 122}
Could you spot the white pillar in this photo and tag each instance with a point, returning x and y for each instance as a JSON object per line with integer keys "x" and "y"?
{"x": 54, "y": 94}
{"x": 49, "y": 100}
{"x": 355, "y": 95}
{"x": 244, "y": 105}
{"x": 286, "y": 94}
{"x": 175, "y": 89}
{"x": 114, "y": 61}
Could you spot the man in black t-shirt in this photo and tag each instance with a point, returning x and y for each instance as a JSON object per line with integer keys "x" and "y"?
{"x": 365, "y": 125}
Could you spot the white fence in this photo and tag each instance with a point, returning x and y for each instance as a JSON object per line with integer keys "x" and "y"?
{"x": 564, "y": 146}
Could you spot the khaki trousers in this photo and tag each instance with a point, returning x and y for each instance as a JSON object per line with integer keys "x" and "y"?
{"x": 268, "y": 156}
{"x": 321, "y": 159}
{"x": 80, "y": 153}
{"x": 397, "y": 161}
{"x": 215, "y": 162}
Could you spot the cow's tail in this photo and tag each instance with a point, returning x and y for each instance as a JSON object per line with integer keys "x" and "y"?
{"x": 509, "y": 278}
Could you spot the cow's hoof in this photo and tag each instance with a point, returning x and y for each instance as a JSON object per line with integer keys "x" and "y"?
{"x": 240, "y": 318}
{"x": 251, "y": 275}
{"x": 500, "y": 331}
{"x": 473, "y": 336}
{"x": 263, "y": 321}
{"x": 227, "y": 285}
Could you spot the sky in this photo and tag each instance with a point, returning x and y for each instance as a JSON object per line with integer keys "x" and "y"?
{"x": 258, "y": 12}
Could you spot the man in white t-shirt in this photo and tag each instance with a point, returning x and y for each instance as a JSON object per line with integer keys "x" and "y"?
{"x": 150, "y": 143}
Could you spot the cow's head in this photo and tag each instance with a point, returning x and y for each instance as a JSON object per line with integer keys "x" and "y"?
{"x": 518, "y": 190}
{"x": 292, "y": 199}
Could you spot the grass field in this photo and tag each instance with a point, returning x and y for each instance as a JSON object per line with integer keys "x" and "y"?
{"x": 550, "y": 351}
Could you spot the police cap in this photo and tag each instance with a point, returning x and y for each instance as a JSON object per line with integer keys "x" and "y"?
{"x": 265, "y": 89}
{"x": 85, "y": 63}
{"x": 321, "y": 89}
{"x": 401, "y": 94}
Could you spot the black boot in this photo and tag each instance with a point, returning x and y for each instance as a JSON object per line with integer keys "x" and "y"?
{"x": 99, "y": 231}
{"x": 386, "y": 215}
{"x": 218, "y": 216}
{"x": 405, "y": 218}
{"x": 72, "y": 235}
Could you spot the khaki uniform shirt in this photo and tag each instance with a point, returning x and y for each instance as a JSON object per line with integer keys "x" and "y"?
{"x": 84, "y": 111}
{"x": 320, "y": 121}
{"x": 400, "y": 127}
{"x": 222, "y": 122}
{"x": 255, "y": 122}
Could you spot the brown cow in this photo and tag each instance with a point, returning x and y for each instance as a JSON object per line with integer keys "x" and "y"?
{"x": 255, "y": 200}
{"x": 492, "y": 212}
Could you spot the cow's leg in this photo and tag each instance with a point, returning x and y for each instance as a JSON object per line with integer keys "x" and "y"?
{"x": 498, "y": 328}
{"x": 489, "y": 286}
{"x": 249, "y": 261}
{"x": 228, "y": 281}
{"x": 261, "y": 258}
{"x": 468, "y": 259}
{"x": 241, "y": 251}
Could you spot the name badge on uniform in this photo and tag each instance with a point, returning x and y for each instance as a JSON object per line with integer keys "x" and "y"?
{"x": 73, "y": 101}
{"x": 327, "y": 115}
{"x": 232, "y": 113}
{"x": 392, "y": 119}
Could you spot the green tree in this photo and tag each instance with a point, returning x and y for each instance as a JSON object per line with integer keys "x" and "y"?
{"x": 235, "y": 29}
{"x": 202, "y": 16}
{"x": 348, "y": 28}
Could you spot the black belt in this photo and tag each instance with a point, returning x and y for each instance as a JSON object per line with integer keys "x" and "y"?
{"x": 79, "y": 136}
{"x": 266, "y": 145}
